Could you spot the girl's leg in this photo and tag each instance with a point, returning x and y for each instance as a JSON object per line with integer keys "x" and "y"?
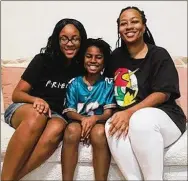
{"x": 123, "y": 155}
{"x": 69, "y": 155}
{"x": 29, "y": 126}
{"x": 150, "y": 131}
{"x": 101, "y": 152}
{"x": 47, "y": 144}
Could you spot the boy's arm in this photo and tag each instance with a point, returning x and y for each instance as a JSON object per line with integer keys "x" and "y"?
{"x": 105, "y": 116}
{"x": 74, "y": 115}
{"x": 91, "y": 121}
{"x": 71, "y": 100}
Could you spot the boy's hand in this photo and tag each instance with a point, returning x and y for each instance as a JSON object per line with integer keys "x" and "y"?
{"x": 87, "y": 124}
{"x": 86, "y": 141}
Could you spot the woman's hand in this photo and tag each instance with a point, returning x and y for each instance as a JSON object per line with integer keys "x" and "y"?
{"x": 42, "y": 106}
{"x": 87, "y": 124}
{"x": 119, "y": 123}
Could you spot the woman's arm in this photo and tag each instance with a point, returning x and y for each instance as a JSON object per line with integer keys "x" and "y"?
{"x": 120, "y": 120}
{"x": 152, "y": 100}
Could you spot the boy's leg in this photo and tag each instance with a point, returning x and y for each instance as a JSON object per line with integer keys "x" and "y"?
{"x": 69, "y": 155}
{"x": 101, "y": 152}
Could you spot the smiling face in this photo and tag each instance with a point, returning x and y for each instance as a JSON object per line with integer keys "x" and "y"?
{"x": 69, "y": 41}
{"x": 93, "y": 60}
{"x": 131, "y": 27}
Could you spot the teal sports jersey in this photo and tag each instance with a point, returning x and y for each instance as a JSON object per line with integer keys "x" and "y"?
{"x": 90, "y": 100}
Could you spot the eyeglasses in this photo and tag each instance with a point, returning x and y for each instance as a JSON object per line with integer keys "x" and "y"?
{"x": 64, "y": 40}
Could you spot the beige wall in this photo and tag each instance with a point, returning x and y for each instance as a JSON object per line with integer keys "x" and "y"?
{"x": 25, "y": 26}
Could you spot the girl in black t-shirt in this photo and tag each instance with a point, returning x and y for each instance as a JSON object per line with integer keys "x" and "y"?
{"x": 146, "y": 86}
{"x": 36, "y": 113}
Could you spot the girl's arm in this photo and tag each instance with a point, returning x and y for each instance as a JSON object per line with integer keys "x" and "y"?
{"x": 21, "y": 94}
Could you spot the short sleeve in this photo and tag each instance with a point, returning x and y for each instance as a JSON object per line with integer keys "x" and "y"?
{"x": 34, "y": 69}
{"x": 110, "y": 97}
{"x": 165, "y": 75}
{"x": 71, "y": 96}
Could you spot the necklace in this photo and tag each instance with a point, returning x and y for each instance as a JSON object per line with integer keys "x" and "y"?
{"x": 89, "y": 88}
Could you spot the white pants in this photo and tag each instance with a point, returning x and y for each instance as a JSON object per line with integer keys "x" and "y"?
{"x": 140, "y": 155}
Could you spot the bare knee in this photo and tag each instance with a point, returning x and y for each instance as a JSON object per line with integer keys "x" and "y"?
{"x": 53, "y": 132}
{"x": 107, "y": 127}
{"x": 72, "y": 133}
{"x": 35, "y": 121}
{"x": 58, "y": 126}
{"x": 98, "y": 137}
{"x": 28, "y": 118}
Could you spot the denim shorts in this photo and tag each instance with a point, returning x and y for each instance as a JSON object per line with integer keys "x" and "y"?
{"x": 13, "y": 107}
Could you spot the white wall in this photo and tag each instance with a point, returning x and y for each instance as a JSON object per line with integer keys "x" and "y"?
{"x": 26, "y": 26}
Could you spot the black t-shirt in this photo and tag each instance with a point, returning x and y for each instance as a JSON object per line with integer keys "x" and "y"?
{"x": 49, "y": 77}
{"x": 135, "y": 79}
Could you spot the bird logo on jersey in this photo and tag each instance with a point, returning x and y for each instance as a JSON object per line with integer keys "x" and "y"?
{"x": 126, "y": 86}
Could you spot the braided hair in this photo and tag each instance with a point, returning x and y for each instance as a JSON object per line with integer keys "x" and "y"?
{"x": 102, "y": 45}
{"x": 53, "y": 48}
{"x": 148, "y": 38}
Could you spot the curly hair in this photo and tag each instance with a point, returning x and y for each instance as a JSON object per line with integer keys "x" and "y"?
{"x": 103, "y": 46}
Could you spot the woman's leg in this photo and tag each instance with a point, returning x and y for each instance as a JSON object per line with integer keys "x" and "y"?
{"x": 123, "y": 155}
{"x": 150, "y": 131}
{"x": 101, "y": 152}
{"x": 69, "y": 155}
{"x": 47, "y": 144}
{"x": 29, "y": 126}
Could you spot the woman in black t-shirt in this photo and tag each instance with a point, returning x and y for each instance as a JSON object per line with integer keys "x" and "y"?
{"x": 36, "y": 113}
{"x": 146, "y": 86}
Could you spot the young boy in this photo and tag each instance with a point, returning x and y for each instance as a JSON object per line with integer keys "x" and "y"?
{"x": 89, "y": 103}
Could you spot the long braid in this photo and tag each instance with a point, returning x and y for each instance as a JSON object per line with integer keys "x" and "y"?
{"x": 117, "y": 42}
{"x": 148, "y": 38}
